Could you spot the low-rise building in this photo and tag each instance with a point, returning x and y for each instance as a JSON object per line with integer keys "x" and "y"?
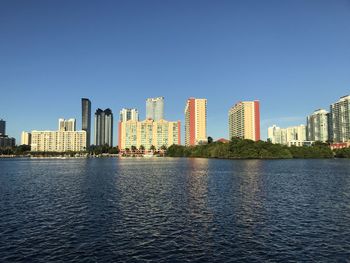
{"x": 58, "y": 141}
{"x": 339, "y": 145}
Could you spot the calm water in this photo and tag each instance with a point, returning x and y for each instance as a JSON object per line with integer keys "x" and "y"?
{"x": 174, "y": 210}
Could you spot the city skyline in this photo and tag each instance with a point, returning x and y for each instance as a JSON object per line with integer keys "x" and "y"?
{"x": 282, "y": 53}
{"x": 310, "y": 129}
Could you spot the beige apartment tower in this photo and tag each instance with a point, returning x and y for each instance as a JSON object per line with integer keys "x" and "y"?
{"x": 244, "y": 120}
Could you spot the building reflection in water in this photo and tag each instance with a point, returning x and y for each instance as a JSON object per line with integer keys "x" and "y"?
{"x": 250, "y": 196}
{"x": 236, "y": 197}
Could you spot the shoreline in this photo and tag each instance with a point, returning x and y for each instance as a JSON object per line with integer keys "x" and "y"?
{"x": 142, "y": 157}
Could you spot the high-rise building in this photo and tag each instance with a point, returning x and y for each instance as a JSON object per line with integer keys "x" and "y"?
{"x": 149, "y": 132}
{"x": 104, "y": 127}
{"x": 86, "y": 119}
{"x": 126, "y": 115}
{"x": 66, "y": 125}
{"x": 274, "y": 134}
{"x": 295, "y": 135}
{"x": 129, "y": 115}
{"x": 5, "y": 141}
{"x": 26, "y": 138}
{"x": 317, "y": 126}
{"x": 2, "y": 127}
{"x": 244, "y": 120}
{"x": 340, "y": 120}
{"x": 155, "y": 108}
{"x": 195, "y": 121}
{"x": 58, "y": 141}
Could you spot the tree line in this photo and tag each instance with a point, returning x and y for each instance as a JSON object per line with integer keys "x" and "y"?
{"x": 234, "y": 149}
{"x": 248, "y": 149}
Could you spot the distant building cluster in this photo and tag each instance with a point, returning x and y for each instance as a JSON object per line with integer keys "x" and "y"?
{"x": 155, "y": 132}
{"x": 295, "y": 135}
{"x": 5, "y": 140}
{"x": 321, "y": 125}
{"x": 152, "y": 133}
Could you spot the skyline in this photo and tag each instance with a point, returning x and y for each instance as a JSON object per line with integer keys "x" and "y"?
{"x": 292, "y": 56}
{"x": 256, "y": 121}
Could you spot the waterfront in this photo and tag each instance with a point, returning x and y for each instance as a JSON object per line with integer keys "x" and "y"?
{"x": 174, "y": 209}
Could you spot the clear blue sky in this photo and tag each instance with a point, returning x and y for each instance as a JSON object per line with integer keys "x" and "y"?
{"x": 294, "y": 56}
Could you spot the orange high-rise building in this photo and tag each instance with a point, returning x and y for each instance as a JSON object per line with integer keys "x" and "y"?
{"x": 195, "y": 121}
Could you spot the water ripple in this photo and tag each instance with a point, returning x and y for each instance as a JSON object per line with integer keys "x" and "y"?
{"x": 174, "y": 210}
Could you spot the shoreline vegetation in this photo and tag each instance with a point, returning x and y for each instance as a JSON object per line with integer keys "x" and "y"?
{"x": 248, "y": 149}
{"x": 234, "y": 149}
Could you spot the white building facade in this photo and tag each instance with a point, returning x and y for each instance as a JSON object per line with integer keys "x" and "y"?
{"x": 317, "y": 126}
{"x": 155, "y": 108}
{"x": 295, "y": 135}
{"x": 340, "y": 120}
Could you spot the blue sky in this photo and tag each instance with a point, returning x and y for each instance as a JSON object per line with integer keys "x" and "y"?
{"x": 293, "y": 55}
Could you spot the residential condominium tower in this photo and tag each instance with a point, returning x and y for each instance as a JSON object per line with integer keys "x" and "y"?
{"x": 5, "y": 141}
{"x": 2, "y": 127}
{"x": 26, "y": 138}
{"x": 103, "y": 127}
{"x": 86, "y": 119}
{"x": 317, "y": 126}
{"x": 155, "y": 108}
{"x": 340, "y": 120}
{"x": 128, "y": 115}
{"x": 66, "y": 125}
{"x": 195, "y": 121}
{"x": 244, "y": 120}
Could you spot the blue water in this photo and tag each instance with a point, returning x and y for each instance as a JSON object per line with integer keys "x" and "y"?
{"x": 174, "y": 210}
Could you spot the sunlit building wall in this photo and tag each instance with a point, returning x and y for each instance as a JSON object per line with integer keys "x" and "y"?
{"x": 148, "y": 133}
{"x": 244, "y": 120}
{"x": 195, "y": 121}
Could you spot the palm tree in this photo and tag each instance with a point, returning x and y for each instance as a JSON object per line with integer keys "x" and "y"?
{"x": 163, "y": 148}
{"x": 133, "y": 148}
{"x": 142, "y": 148}
{"x": 152, "y": 148}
